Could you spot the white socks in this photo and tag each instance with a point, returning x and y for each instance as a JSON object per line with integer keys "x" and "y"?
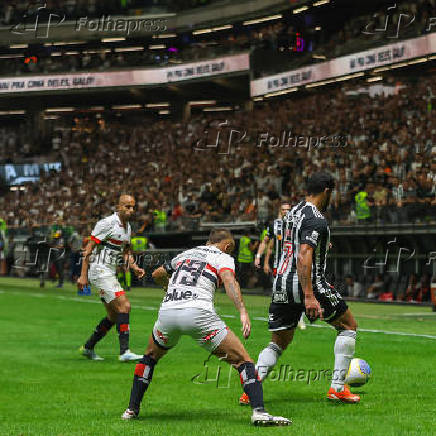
{"x": 267, "y": 359}
{"x": 344, "y": 351}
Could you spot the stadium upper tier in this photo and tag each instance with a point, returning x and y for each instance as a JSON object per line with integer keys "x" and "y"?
{"x": 388, "y": 150}
{"x": 12, "y": 12}
{"x": 288, "y": 40}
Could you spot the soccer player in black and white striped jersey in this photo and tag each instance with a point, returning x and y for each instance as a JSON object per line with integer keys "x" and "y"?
{"x": 300, "y": 286}
{"x": 274, "y": 238}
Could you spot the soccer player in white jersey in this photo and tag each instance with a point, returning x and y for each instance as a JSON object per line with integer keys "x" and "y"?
{"x": 108, "y": 247}
{"x": 187, "y": 309}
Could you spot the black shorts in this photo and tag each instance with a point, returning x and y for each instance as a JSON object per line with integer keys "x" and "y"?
{"x": 285, "y": 316}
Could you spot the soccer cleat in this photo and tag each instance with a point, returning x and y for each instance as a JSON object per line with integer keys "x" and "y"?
{"x": 129, "y": 414}
{"x": 264, "y": 419}
{"x": 346, "y": 396}
{"x": 302, "y": 325}
{"x": 128, "y": 356}
{"x": 244, "y": 400}
{"x": 90, "y": 354}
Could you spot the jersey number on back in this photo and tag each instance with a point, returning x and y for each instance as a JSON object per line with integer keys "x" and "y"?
{"x": 188, "y": 272}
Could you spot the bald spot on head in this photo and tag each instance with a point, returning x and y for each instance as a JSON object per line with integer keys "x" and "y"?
{"x": 124, "y": 199}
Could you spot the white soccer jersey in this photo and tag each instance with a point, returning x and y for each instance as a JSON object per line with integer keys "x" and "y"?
{"x": 111, "y": 238}
{"x": 195, "y": 276}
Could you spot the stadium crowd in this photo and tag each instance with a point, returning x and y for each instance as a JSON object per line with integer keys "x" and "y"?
{"x": 384, "y": 162}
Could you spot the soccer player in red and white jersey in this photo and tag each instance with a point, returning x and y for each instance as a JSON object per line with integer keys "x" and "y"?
{"x": 187, "y": 309}
{"x": 109, "y": 246}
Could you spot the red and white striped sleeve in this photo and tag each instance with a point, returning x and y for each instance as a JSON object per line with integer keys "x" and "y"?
{"x": 102, "y": 230}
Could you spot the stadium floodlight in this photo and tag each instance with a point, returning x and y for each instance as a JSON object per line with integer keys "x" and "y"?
{"x": 201, "y": 31}
{"x": 348, "y": 77}
{"x": 318, "y": 28}
{"x": 282, "y": 92}
{"x": 417, "y": 61}
{"x": 156, "y": 46}
{"x": 315, "y": 56}
{"x": 380, "y": 69}
{"x": 201, "y": 102}
{"x": 56, "y": 54}
{"x": 72, "y": 52}
{"x": 431, "y": 57}
{"x": 321, "y": 83}
{"x": 103, "y": 50}
{"x": 127, "y": 106}
{"x": 19, "y": 46}
{"x": 11, "y": 56}
{"x": 258, "y": 99}
{"x": 127, "y": 49}
{"x": 60, "y": 109}
{"x": 165, "y": 35}
{"x": 399, "y": 65}
{"x": 67, "y": 43}
{"x": 113, "y": 39}
{"x": 298, "y": 10}
{"x": 51, "y": 117}
{"x": 321, "y": 2}
{"x": 151, "y": 105}
{"x": 261, "y": 20}
{"x": 164, "y": 112}
{"x": 374, "y": 79}
{"x": 218, "y": 109}
{"x": 96, "y": 108}
{"x": 13, "y": 112}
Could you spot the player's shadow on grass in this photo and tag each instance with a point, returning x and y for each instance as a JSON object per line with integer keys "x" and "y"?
{"x": 191, "y": 416}
{"x": 296, "y": 397}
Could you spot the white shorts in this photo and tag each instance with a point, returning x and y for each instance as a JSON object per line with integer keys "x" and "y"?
{"x": 106, "y": 282}
{"x": 204, "y": 326}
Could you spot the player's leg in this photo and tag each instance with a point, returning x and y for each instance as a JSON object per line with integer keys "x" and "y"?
{"x": 346, "y": 327}
{"x": 282, "y": 321}
{"x": 142, "y": 377}
{"x": 118, "y": 304}
{"x": 163, "y": 338}
{"x": 99, "y": 333}
{"x": 337, "y": 314}
{"x": 269, "y": 356}
{"x": 232, "y": 351}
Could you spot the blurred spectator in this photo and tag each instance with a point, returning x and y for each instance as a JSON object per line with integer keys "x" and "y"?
{"x": 353, "y": 288}
{"x": 375, "y": 288}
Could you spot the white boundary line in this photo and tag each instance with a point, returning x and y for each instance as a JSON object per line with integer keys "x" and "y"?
{"x": 256, "y": 318}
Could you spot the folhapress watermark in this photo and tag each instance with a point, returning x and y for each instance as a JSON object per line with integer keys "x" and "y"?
{"x": 39, "y": 20}
{"x": 126, "y": 26}
{"x": 223, "y": 137}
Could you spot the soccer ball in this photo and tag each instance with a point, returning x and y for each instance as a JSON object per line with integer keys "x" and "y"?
{"x": 358, "y": 374}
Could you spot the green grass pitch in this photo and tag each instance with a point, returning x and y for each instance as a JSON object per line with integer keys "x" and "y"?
{"x": 47, "y": 388}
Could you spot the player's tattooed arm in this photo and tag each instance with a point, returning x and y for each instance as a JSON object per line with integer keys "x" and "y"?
{"x": 161, "y": 277}
{"x": 83, "y": 279}
{"x": 232, "y": 289}
{"x": 234, "y": 292}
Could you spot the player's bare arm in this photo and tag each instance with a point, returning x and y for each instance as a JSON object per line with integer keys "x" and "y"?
{"x": 260, "y": 251}
{"x": 234, "y": 292}
{"x": 129, "y": 260}
{"x": 161, "y": 277}
{"x": 304, "y": 271}
{"x": 266, "y": 268}
{"x": 83, "y": 279}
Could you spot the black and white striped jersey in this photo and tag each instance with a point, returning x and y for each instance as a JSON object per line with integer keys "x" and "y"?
{"x": 303, "y": 224}
{"x": 275, "y": 230}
